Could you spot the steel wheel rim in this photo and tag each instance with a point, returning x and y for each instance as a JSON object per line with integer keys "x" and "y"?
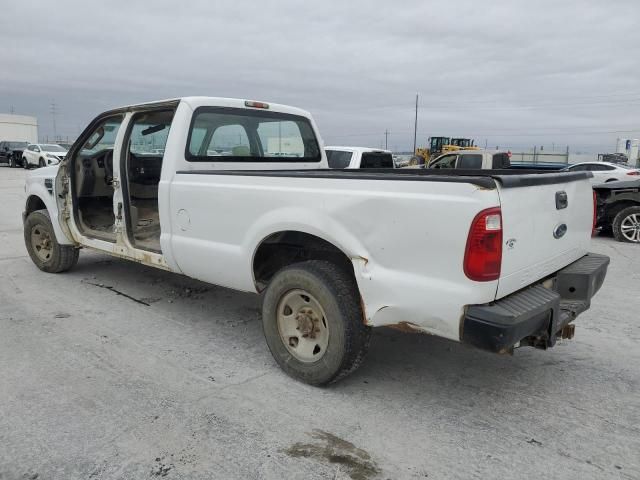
{"x": 630, "y": 227}
{"x": 41, "y": 242}
{"x": 302, "y": 325}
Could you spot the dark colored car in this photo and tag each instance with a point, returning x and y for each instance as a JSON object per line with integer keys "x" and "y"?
{"x": 618, "y": 209}
{"x": 11, "y": 152}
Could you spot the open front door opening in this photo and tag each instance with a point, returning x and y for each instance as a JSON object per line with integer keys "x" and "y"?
{"x": 146, "y": 140}
{"x": 92, "y": 181}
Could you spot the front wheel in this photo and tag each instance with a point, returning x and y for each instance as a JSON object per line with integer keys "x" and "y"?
{"x": 313, "y": 322}
{"x": 626, "y": 225}
{"x": 44, "y": 250}
{"x": 41, "y": 163}
{"x": 25, "y": 164}
{"x": 12, "y": 161}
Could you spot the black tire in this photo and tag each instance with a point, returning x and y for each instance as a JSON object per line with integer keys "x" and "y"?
{"x": 61, "y": 257}
{"x": 620, "y": 219}
{"x": 41, "y": 163}
{"x": 337, "y": 293}
{"x": 12, "y": 161}
{"x": 25, "y": 164}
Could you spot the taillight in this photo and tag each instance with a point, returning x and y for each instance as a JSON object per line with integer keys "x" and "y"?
{"x": 483, "y": 255}
{"x": 634, "y": 172}
{"x": 595, "y": 213}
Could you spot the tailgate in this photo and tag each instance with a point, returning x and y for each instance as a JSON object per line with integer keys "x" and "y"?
{"x": 547, "y": 221}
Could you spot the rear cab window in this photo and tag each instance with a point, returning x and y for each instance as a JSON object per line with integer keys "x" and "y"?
{"x": 501, "y": 160}
{"x": 471, "y": 161}
{"x": 222, "y": 134}
{"x": 339, "y": 158}
{"x": 376, "y": 160}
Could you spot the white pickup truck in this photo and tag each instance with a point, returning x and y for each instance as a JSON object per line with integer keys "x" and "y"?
{"x": 359, "y": 157}
{"x": 237, "y": 193}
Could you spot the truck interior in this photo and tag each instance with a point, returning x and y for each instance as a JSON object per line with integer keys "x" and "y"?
{"x": 141, "y": 169}
{"x": 92, "y": 181}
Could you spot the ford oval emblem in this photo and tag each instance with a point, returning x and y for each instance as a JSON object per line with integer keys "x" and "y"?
{"x": 560, "y": 230}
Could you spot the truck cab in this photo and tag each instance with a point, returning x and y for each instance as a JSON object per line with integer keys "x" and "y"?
{"x": 359, "y": 157}
{"x": 472, "y": 159}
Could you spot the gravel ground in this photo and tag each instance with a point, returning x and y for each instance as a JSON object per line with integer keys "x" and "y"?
{"x": 180, "y": 384}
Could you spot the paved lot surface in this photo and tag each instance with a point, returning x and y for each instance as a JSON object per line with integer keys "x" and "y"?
{"x": 94, "y": 385}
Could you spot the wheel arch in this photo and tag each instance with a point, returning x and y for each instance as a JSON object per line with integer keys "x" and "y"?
{"x": 286, "y": 247}
{"x": 39, "y": 198}
{"x": 615, "y": 209}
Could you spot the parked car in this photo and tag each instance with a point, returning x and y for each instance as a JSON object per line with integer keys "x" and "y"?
{"x": 472, "y": 159}
{"x": 42, "y": 155}
{"x": 487, "y": 159}
{"x": 605, "y": 171}
{"x": 359, "y": 157}
{"x": 11, "y": 152}
{"x": 618, "y": 206}
{"x": 334, "y": 252}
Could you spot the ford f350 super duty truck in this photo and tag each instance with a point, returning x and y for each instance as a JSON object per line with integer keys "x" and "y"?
{"x": 237, "y": 193}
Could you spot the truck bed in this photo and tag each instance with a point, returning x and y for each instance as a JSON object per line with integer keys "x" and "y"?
{"x": 482, "y": 178}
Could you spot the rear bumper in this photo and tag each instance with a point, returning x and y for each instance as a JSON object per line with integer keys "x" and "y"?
{"x": 537, "y": 315}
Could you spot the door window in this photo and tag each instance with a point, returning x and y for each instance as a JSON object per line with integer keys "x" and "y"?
{"x": 447, "y": 161}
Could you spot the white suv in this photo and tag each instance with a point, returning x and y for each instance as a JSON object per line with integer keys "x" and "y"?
{"x": 42, "y": 155}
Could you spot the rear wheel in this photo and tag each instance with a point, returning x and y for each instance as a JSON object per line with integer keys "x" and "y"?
{"x": 41, "y": 163}
{"x": 313, "y": 322}
{"x": 44, "y": 250}
{"x": 626, "y": 225}
{"x": 12, "y": 161}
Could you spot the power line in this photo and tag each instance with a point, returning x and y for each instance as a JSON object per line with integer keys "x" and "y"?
{"x": 498, "y": 134}
{"x": 53, "y": 116}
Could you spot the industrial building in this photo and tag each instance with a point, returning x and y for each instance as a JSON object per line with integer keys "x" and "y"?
{"x": 18, "y": 128}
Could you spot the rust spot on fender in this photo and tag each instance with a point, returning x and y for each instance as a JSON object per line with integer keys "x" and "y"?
{"x": 364, "y": 312}
{"x": 406, "y": 327}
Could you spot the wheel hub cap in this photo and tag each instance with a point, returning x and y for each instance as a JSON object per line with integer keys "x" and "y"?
{"x": 302, "y": 326}
{"x": 630, "y": 227}
{"x": 41, "y": 242}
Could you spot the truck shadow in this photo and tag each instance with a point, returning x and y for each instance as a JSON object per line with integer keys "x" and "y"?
{"x": 399, "y": 364}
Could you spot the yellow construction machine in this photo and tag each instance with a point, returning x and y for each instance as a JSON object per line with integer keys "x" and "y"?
{"x": 439, "y": 145}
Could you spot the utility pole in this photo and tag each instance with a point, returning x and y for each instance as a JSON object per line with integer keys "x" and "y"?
{"x": 415, "y": 127}
{"x": 53, "y": 116}
{"x": 386, "y": 139}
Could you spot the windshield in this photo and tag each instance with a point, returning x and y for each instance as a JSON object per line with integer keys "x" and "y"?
{"x": 18, "y": 144}
{"x": 53, "y": 148}
{"x": 626, "y": 167}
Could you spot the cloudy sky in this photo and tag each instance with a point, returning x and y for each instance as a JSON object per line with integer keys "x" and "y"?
{"x": 511, "y": 73}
